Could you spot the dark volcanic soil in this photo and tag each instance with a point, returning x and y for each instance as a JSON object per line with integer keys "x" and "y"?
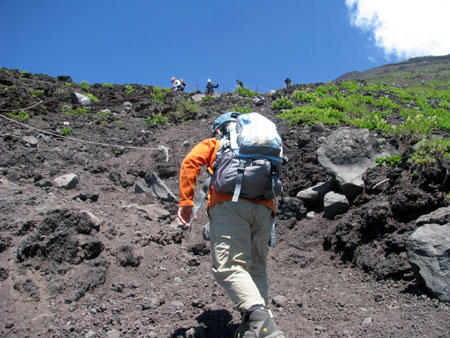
{"x": 130, "y": 271}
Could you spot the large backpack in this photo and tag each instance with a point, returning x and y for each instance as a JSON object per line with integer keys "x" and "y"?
{"x": 248, "y": 162}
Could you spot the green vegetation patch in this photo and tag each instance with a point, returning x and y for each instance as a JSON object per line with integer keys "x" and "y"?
{"x": 65, "y": 131}
{"x": 308, "y": 115}
{"x": 92, "y": 97}
{"x": 207, "y": 98}
{"x": 19, "y": 116}
{"x": 304, "y": 96}
{"x": 159, "y": 94}
{"x": 128, "y": 89}
{"x": 242, "y": 110}
{"x": 85, "y": 85}
{"x": 36, "y": 92}
{"x": 186, "y": 105}
{"x": 282, "y": 103}
{"x": 156, "y": 119}
{"x": 245, "y": 92}
{"x": 76, "y": 111}
{"x": 390, "y": 160}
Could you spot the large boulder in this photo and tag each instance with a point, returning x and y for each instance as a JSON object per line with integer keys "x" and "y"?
{"x": 68, "y": 181}
{"x": 428, "y": 253}
{"x": 346, "y": 155}
{"x": 334, "y": 204}
{"x": 80, "y": 99}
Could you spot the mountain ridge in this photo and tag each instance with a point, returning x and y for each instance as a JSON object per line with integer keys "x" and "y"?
{"x": 411, "y": 65}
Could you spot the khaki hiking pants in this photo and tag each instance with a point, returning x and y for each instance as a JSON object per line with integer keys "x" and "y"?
{"x": 240, "y": 232}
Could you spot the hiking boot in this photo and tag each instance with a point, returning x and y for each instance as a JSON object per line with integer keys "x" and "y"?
{"x": 258, "y": 324}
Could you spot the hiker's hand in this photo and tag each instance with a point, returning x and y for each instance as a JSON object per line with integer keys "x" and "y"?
{"x": 184, "y": 214}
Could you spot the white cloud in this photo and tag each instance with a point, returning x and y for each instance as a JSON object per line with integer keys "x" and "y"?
{"x": 404, "y": 28}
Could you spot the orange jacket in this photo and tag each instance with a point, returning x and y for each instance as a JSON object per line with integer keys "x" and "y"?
{"x": 203, "y": 154}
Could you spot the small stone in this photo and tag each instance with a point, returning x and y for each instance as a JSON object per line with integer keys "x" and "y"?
{"x": 279, "y": 301}
{"x": 113, "y": 334}
{"x": 177, "y": 304}
{"x": 367, "y": 321}
{"x": 90, "y": 334}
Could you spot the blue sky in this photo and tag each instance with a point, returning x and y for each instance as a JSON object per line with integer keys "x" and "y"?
{"x": 259, "y": 42}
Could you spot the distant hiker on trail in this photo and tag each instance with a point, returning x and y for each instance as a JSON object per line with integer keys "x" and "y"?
{"x": 240, "y": 227}
{"x": 240, "y": 84}
{"x": 209, "y": 90}
{"x": 182, "y": 85}
{"x": 176, "y": 84}
{"x": 287, "y": 82}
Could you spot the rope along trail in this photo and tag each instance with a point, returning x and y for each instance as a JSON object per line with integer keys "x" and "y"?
{"x": 160, "y": 148}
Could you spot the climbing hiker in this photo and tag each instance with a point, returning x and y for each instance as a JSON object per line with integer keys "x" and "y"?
{"x": 176, "y": 84}
{"x": 287, "y": 82}
{"x": 239, "y": 83}
{"x": 209, "y": 90}
{"x": 241, "y": 216}
{"x": 182, "y": 85}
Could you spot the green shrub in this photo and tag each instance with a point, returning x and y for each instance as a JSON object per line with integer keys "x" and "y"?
{"x": 35, "y": 92}
{"x": 441, "y": 115}
{"x": 282, "y": 103}
{"x": 68, "y": 84}
{"x": 245, "y": 92}
{"x": 351, "y": 87}
{"x": 304, "y": 96}
{"x": 85, "y": 85}
{"x": 159, "y": 94}
{"x": 393, "y": 160}
{"x": 77, "y": 111}
{"x": 422, "y": 158}
{"x": 129, "y": 89}
{"x": 437, "y": 147}
{"x": 103, "y": 113}
{"x": 65, "y": 131}
{"x": 326, "y": 102}
{"x": 416, "y": 124}
{"x": 187, "y": 106}
{"x": 402, "y": 95}
{"x": 372, "y": 121}
{"x": 366, "y": 99}
{"x": 92, "y": 97}
{"x": 443, "y": 104}
{"x": 118, "y": 151}
{"x": 308, "y": 115}
{"x": 351, "y": 105}
{"x": 207, "y": 98}
{"x": 327, "y": 89}
{"x": 107, "y": 84}
{"x": 19, "y": 116}
{"x": 156, "y": 119}
{"x": 242, "y": 110}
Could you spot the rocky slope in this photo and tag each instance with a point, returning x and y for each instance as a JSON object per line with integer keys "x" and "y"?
{"x": 104, "y": 259}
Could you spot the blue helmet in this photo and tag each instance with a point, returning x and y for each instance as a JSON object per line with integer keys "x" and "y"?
{"x": 224, "y": 119}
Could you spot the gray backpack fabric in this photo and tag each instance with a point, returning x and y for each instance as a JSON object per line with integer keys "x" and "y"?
{"x": 248, "y": 163}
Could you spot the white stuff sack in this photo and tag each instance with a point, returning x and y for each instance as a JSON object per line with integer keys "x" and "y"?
{"x": 257, "y": 136}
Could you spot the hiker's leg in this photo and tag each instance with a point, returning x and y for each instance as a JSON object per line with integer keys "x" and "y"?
{"x": 260, "y": 229}
{"x": 231, "y": 252}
